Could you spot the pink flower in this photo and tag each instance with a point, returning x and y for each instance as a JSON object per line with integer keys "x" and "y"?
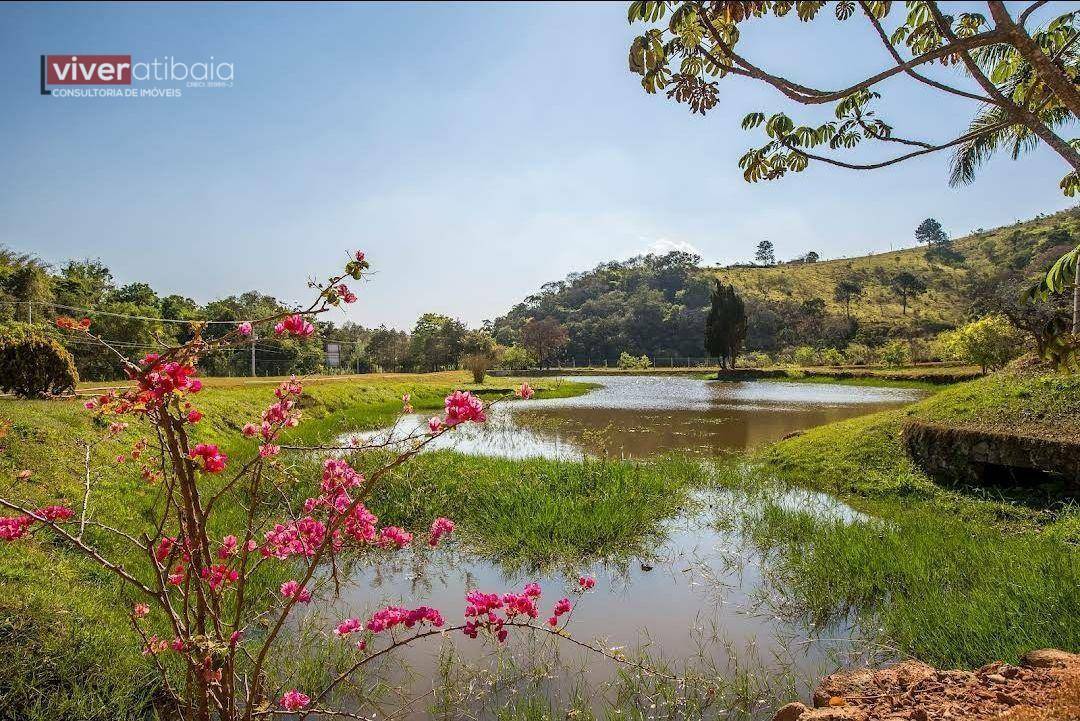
{"x": 228, "y": 547}
{"x": 54, "y": 513}
{"x": 249, "y": 430}
{"x": 525, "y": 392}
{"x": 294, "y": 700}
{"x": 346, "y": 295}
{"x": 434, "y": 424}
{"x": 194, "y": 416}
{"x": 210, "y": 459}
{"x": 586, "y": 583}
{"x": 236, "y": 637}
{"x": 13, "y": 528}
{"x": 439, "y": 528}
{"x": 462, "y": 406}
{"x": 164, "y": 546}
{"x": 269, "y": 450}
{"x": 392, "y": 616}
{"x": 89, "y": 405}
{"x": 177, "y": 644}
{"x": 293, "y": 590}
{"x": 406, "y": 407}
{"x": 394, "y": 536}
{"x": 295, "y": 325}
{"x": 244, "y": 328}
{"x": 141, "y": 610}
{"x": 218, "y": 575}
{"x": 349, "y": 625}
{"x": 359, "y": 256}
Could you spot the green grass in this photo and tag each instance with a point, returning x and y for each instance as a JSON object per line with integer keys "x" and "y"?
{"x": 61, "y": 615}
{"x": 954, "y": 576}
{"x": 538, "y": 512}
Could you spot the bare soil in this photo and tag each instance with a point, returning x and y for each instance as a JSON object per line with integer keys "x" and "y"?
{"x": 1044, "y": 687}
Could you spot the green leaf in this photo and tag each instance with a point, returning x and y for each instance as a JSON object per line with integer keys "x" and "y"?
{"x": 753, "y": 120}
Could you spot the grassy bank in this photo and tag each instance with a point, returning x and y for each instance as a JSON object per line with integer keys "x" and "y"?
{"x": 956, "y": 576}
{"x": 61, "y": 616}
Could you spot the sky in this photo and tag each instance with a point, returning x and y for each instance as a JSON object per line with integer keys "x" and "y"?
{"x": 473, "y": 151}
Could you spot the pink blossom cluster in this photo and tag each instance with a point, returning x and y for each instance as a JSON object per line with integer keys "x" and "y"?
{"x": 244, "y": 328}
{"x": 463, "y": 406}
{"x": 391, "y": 616}
{"x": 296, "y": 538}
{"x": 293, "y": 590}
{"x": 13, "y": 528}
{"x": 294, "y": 325}
{"x": 562, "y": 606}
{"x": 208, "y": 457}
{"x": 342, "y": 293}
{"x": 218, "y": 575}
{"x": 394, "y": 536}
{"x": 280, "y": 414}
{"x": 157, "y": 380}
{"x": 482, "y": 610}
{"x": 294, "y": 700}
{"x": 439, "y": 528}
{"x": 525, "y": 392}
{"x": 586, "y": 583}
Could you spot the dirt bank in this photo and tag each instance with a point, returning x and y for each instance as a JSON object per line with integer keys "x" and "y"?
{"x": 1044, "y": 687}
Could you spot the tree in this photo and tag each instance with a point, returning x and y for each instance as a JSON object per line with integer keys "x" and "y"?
{"x": 989, "y": 342}
{"x": 765, "y": 254}
{"x": 1023, "y": 80}
{"x": 544, "y": 339}
{"x": 811, "y": 257}
{"x": 847, "y": 290}
{"x": 387, "y": 349}
{"x": 931, "y": 233}
{"x": 725, "y": 326}
{"x": 479, "y": 353}
{"x": 436, "y": 341}
{"x": 906, "y": 286}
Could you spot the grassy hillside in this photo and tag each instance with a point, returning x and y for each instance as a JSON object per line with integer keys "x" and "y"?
{"x": 1022, "y": 247}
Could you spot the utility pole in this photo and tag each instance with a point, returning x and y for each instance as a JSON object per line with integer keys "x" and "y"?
{"x": 252, "y": 356}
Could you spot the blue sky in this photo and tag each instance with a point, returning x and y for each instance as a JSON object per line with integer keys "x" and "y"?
{"x": 474, "y": 151}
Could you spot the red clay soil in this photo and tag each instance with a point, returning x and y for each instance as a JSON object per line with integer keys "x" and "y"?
{"x": 1044, "y": 687}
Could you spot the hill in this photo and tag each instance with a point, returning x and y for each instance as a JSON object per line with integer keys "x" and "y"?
{"x": 656, "y": 305}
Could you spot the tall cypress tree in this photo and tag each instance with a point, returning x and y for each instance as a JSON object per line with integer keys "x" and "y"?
{"x": 725, "y": 328}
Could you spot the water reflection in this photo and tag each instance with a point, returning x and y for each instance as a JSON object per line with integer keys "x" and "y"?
{"x": 702, "y": 599}
{"x": 639, "y": 416}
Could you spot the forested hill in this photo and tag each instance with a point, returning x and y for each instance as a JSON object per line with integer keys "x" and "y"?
{"x": 656, "y": 305}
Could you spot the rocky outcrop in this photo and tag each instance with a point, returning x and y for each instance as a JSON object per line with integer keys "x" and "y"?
{"x": 953, "y": 454}
{"x": 1043, "y": 687}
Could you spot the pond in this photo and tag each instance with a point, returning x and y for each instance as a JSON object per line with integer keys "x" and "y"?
{"x": 702, "y": 598}
{"x": 638, "y": 416}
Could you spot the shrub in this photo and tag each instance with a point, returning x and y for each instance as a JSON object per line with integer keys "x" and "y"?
{"x": 478, "y": 364}
{"x": 804, "y": 355}
{"x": 755, "y": 359}
{"x": 34, "y": 365}
{"x": 895, "y": 353}
{"x": 832, "y": 357}
{"x": 989, "y": 342}
{"x": 629, "y": 362}
{"x": 858, "y": 354}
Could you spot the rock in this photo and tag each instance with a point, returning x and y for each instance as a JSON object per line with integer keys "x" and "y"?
{"x": 1006, "y": 699}
{"x": 791, "y": 712}
{"x": 912, "y": 673}
{"x": 834, "y": 713}
{"x": 996, "y": 678}
{"x": 1050, "y": 658}
{"x": 1009, "y": 671}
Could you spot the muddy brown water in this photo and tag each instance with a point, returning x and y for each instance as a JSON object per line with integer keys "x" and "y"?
{"x": 702, "y": 596}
